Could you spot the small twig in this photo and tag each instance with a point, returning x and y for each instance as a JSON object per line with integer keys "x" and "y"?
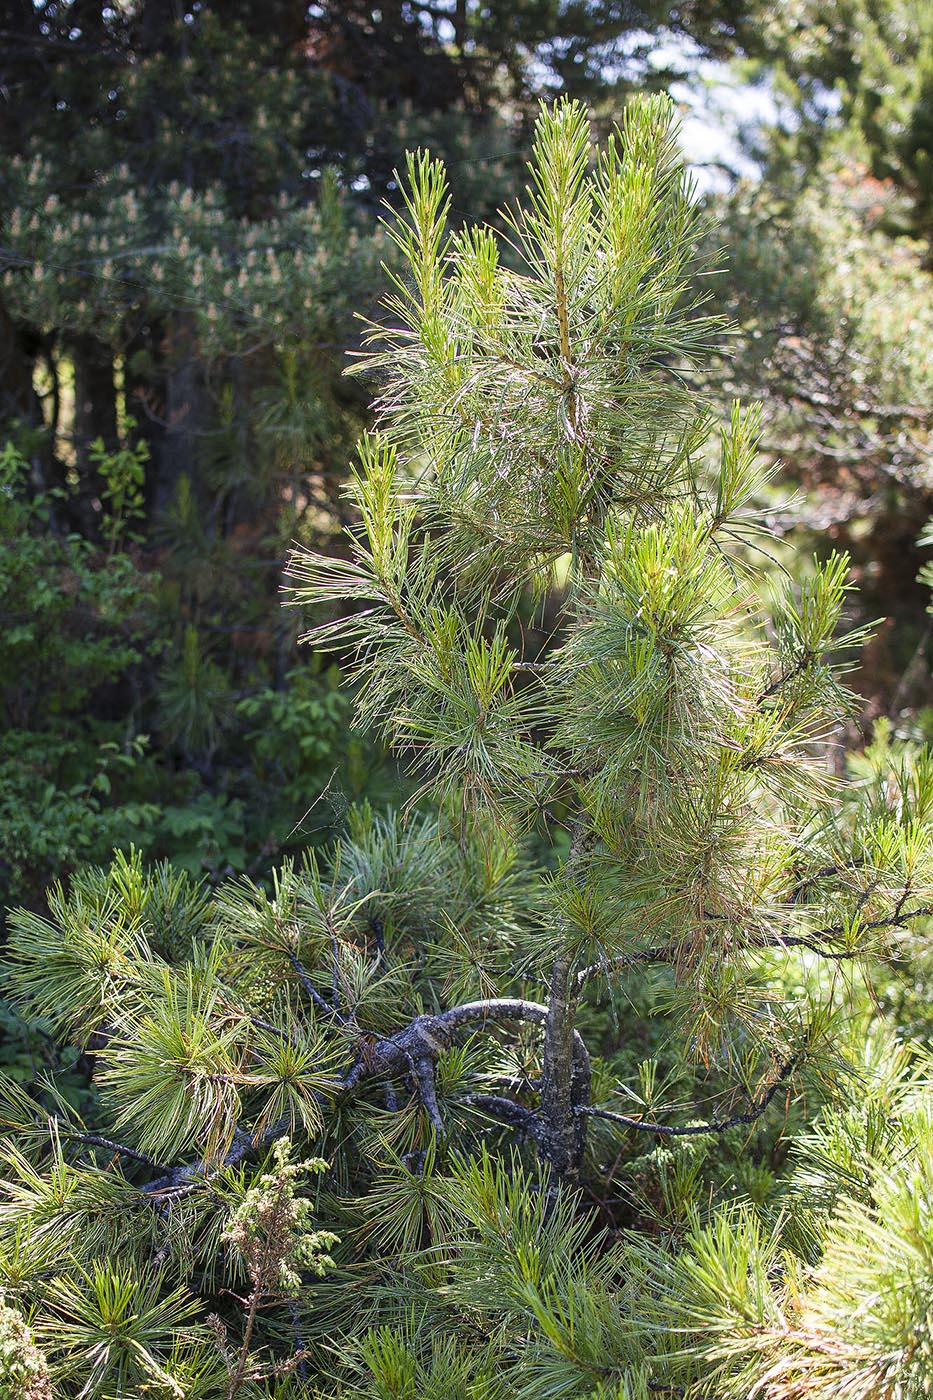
{"x": 108, "y": 1144}
{"x": 320, "y": 798}
{"x": 335, "y": 972}
{"x": 795, "y": 941}
{"x": 313, "y": 992}
{"x": 823, "y": 874}
{"x": 278, "y": 1031}
{"x": 379, "y": 938}
{"x": 908, "y": 890}
{"x": 660, "y": 954}
{"x": 796, "y": 670}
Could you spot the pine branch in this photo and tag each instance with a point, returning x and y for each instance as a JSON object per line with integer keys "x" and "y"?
{"x": 497, "y": 1106}
{"x": 896, "y": 920}
{"x": 669, "y": 953}
{"x": 414, "y": 1049}
{"x": 698, "y": 1129}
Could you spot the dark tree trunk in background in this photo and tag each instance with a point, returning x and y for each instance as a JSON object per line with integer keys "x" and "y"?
{"x": 95, "y": 399}
{"x": 157, "y": 16}
{"x": 20, "y": 405}
{"x": 185, "y": 415}
{"x": 95, "y": 418}
{"x": 166, "y": 395}
{"x": 18, "y": 353}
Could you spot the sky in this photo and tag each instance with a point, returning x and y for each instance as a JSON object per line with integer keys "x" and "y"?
{"x": 717, "y": 106}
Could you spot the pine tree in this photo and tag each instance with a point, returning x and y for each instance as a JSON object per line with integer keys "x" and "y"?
{"x": 539, "y": 435}
{"x": 555, "y": 605}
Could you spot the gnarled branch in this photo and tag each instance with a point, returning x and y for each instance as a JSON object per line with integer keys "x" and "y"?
{"x": 412, "y": 1050}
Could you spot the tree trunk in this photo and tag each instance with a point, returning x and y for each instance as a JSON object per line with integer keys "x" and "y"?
{"x": 183, "y": 414}
{"x": 565, "y": 1082}
{"x": 17, "y": 365}
{"x": 95, "y": 399}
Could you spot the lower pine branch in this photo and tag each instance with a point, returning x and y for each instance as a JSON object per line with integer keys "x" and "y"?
{"x": 736, "y": 1120}
{"x": 412, "y": 1050}
{"x": 507, "y": 1111}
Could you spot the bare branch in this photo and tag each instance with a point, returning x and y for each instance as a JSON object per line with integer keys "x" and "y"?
{"x": 109, "y": 1145}
{"x": 496, "y": 1106}
{"x": 414, "y": 1049}
{"x": 427, "y": 1036}
{"x": 698, "y": 1129}
{"x": 423, "y": 1074}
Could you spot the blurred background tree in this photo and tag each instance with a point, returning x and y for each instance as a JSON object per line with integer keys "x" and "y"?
{"x": 829, "y": 281}
{"x": 188, "y": 223}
